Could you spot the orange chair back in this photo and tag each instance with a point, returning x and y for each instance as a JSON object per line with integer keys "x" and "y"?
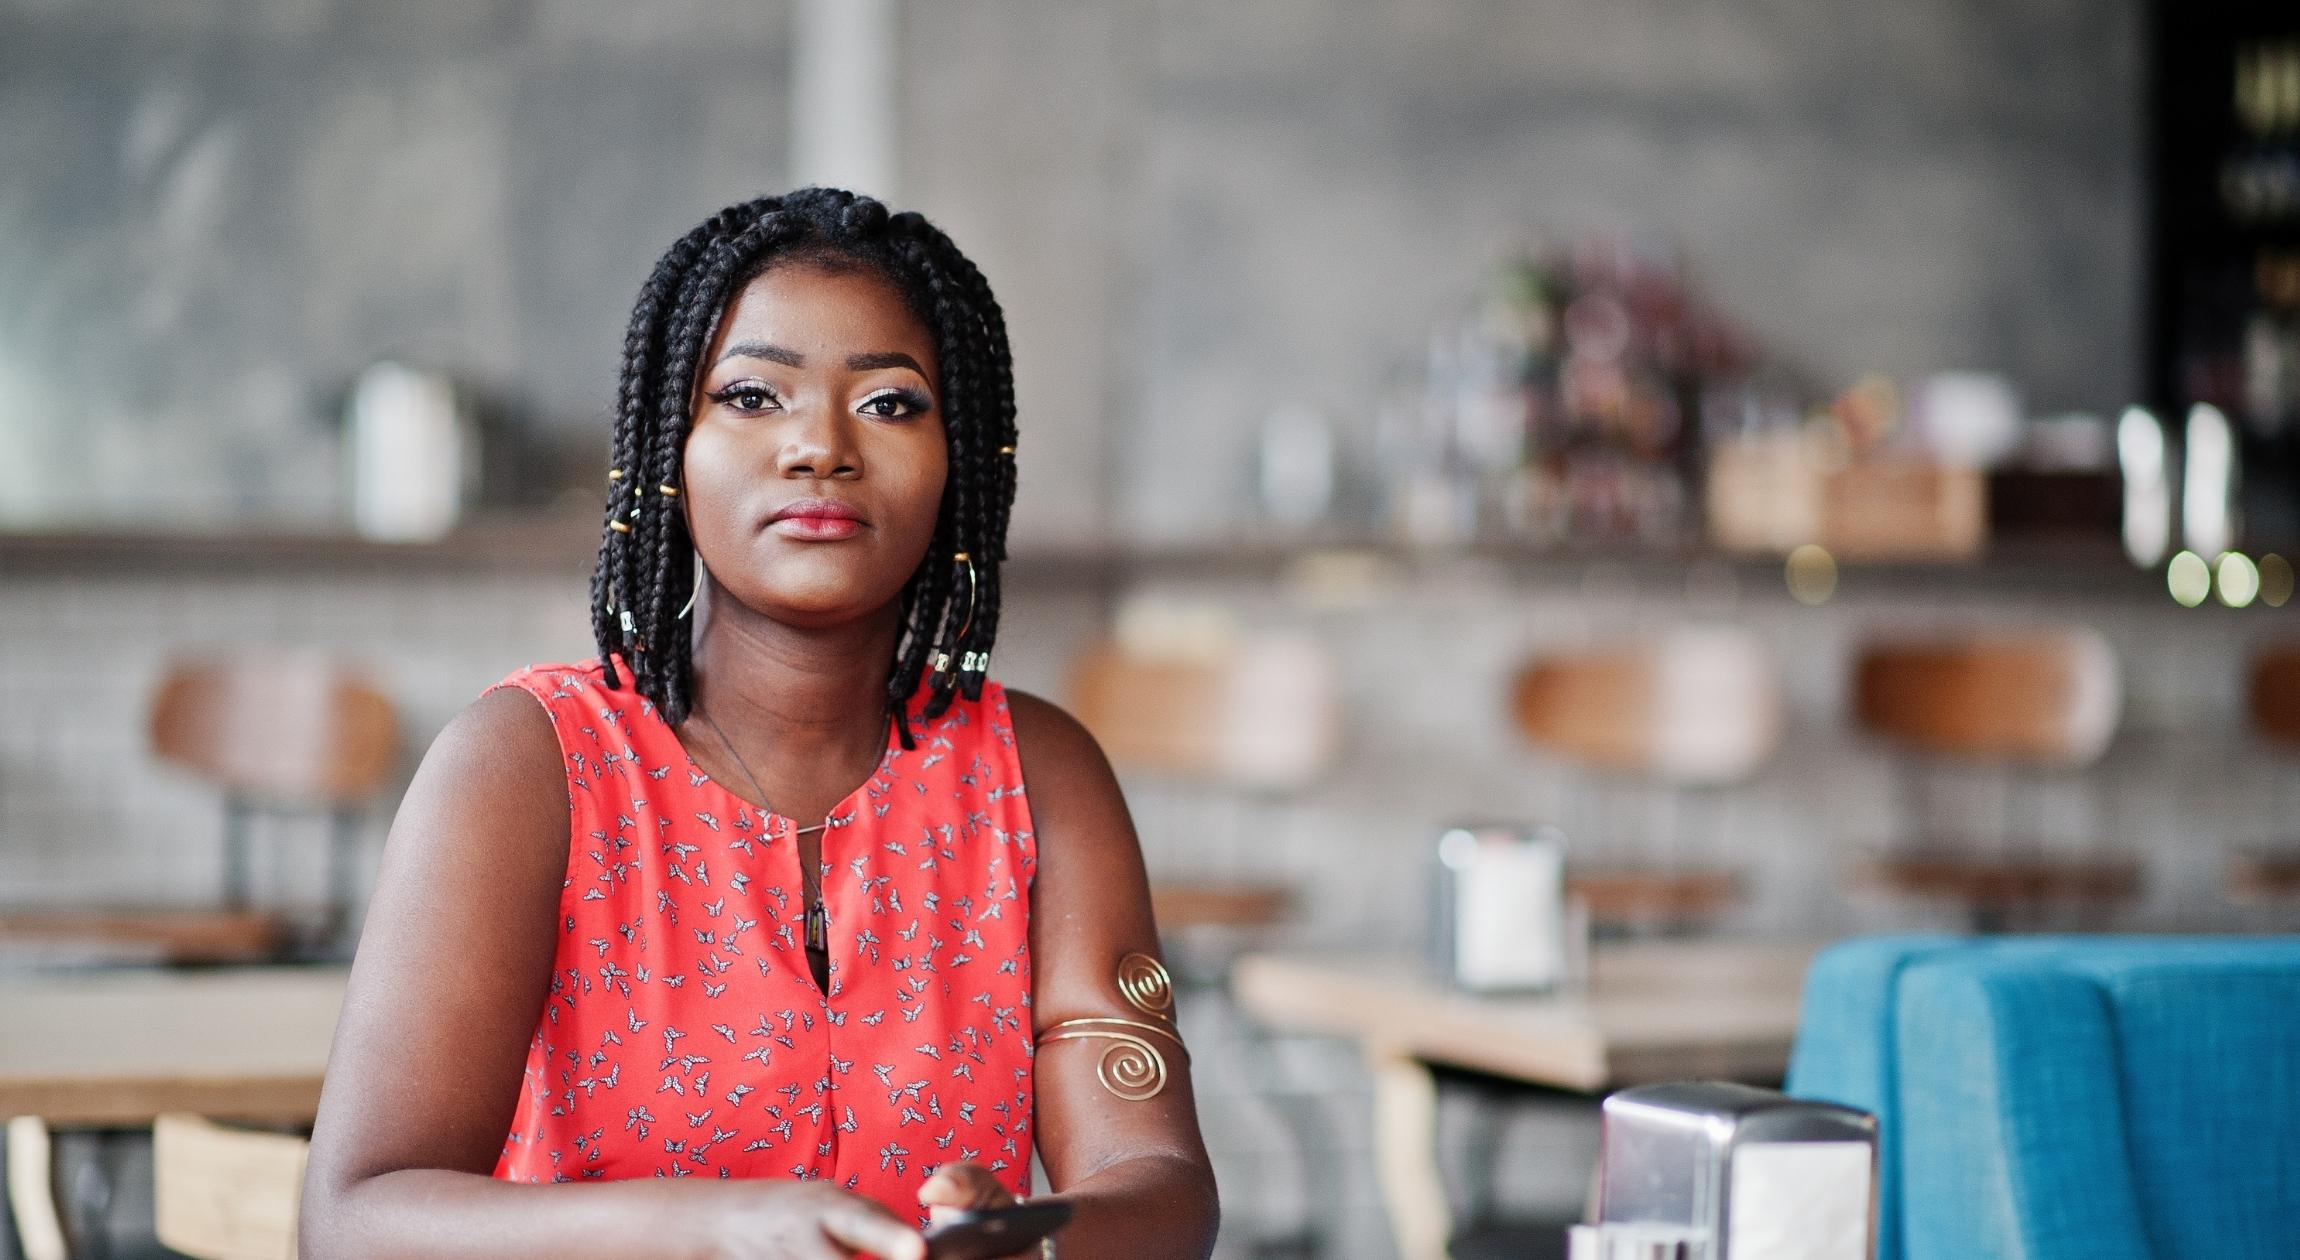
{"x": 1693, "y": 706}
{"x": 2047, "y": 699}
{"x": 2274, "y": 698}
{"x": 296, "y": 730}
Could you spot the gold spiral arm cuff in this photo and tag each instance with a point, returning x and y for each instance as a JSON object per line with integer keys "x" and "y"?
{"x": 1143, "y": 982}
{"x": 1132, "y": 1066}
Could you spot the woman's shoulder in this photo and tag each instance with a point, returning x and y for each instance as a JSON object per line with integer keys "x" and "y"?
{"x": 512, "y": 728}
{"x": 1062, "y": 764}
{"x": 579, "y": 696}
{"x": 587, "y": 719}
{"x": 556, "y": 680}
{"x": 1044, "y": 731}
{"x": 495, "y": 770}
{"x": 1088, "y": 860}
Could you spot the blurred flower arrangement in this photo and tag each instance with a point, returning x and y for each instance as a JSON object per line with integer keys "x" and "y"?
{"x": 1595, "y": 396}
{"x": 1565, "y": 405}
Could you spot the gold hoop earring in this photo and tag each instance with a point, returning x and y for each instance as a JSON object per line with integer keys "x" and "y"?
{"x": 694, "y": 584}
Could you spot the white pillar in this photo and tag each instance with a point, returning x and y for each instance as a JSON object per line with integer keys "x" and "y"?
{"x": 843, "y": 103}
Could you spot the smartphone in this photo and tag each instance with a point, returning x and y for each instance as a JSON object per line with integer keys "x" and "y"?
{"x": 991, "y": 1232}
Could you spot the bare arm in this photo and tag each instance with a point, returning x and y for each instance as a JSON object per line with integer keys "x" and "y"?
{"x": 453, "y": 968}
{"x": 1136, "y": 1172}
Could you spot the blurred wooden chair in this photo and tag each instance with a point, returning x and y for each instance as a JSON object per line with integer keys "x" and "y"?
{"x": 1686, "y": 713}
{"x": 2270, "y": 875}
{"x": 300, "y": 734}
{"x": 226, "y": 1194}
{"x": 277, "y": 737}
{"x": 1260, "y": 713}
{"x": 34, "y": 1212}
{"x": 2024, "y": 707}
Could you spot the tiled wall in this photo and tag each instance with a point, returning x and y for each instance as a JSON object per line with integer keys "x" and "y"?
{"x": 86, "y": 815}
{"x": 1426, "y": 668}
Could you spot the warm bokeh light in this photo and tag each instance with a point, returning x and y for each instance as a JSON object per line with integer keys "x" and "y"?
{"x": 2238, "y": 579}
{"x": 2275, "y": 580}
{"x": 1812, "y": 574}
{"x": 2189, "y": 579}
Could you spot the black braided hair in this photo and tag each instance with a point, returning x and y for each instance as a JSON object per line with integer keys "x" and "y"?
{"x": 644, "y": 577}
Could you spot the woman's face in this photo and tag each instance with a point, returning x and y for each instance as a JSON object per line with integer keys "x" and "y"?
{"x": 815, "y": 458}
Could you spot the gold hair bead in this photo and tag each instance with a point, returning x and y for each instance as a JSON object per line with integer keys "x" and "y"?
{"x": 614, "y": 474}
{"x": 961, "y": 557}
{"x": 669, "y": 492}
{"x": 1006, "y": 450}
{"x": 619, "y": 527}
{"x": 637, "y": 493}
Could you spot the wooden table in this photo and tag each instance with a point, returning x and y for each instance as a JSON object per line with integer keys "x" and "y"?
{"x": 144, "y": 935}
{"x": 1650, "y": 1012}
{"x": 116, "y": 1048}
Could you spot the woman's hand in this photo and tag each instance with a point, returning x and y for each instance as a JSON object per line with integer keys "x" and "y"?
{"x": 964, "y": 1187}
{"x": 809, "y": 1220}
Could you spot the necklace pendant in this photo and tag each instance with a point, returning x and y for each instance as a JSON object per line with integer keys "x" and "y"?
{"x": 818, "y": 928}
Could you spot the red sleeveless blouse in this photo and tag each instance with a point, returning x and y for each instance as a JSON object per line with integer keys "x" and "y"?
{"x": 684, "y": 1035}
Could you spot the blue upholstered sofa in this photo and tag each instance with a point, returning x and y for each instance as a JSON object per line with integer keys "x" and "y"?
{"x": 2109, "y": 1098}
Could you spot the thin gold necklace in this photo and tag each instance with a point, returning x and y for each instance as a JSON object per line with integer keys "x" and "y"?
{"x": 818, "y": 928}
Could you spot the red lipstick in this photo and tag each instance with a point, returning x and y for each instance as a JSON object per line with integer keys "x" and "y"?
{"x": 816, "y": 520}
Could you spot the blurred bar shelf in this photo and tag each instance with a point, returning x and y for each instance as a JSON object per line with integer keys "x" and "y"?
{"x": 545, "y": 543}
{"x": 2069, "y": 568}
{"x": 566, "y": 544}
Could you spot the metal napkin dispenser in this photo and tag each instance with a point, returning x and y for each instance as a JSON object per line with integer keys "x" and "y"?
{"x": 1714, "y": 1171}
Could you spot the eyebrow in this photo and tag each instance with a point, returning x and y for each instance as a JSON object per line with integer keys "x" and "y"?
{"x": 882, "y": 359}
{"x": 791, "y": 358}
{"x": 761, "y": 350}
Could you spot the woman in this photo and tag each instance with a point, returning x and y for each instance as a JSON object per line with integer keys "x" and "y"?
{"x": 746, "y": 939}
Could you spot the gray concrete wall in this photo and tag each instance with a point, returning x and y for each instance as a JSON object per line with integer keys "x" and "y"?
{"x": 1897, "y": 187}
{"x": 214, "y": 213}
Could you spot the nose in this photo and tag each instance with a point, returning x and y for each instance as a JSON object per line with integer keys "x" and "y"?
{"x": 819, "y": 443}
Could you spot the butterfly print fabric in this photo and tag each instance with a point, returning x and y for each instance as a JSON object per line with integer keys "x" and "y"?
{"x": 683, "y": 1035}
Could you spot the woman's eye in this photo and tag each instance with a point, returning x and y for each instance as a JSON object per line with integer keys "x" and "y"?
{"x": 893, "y": 403}
{"x": 745, "y": 397}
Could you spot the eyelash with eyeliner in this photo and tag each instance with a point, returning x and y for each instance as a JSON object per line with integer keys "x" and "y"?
{"x": 914, "y": 402}
{"x": 727, "y": 395}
